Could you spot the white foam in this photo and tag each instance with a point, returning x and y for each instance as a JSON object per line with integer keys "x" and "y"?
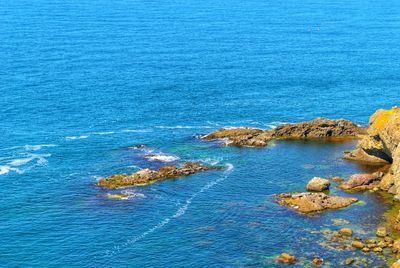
{"x": 21, "y": 161}
{"x": 135, "y": 130}
{"x": 4, "y": 170}
{"x": 162, "y": 158}
{"x": 182, "y": 127}
{"x": 37, "y": 147}
{"x": 103, "y": 133}
{"x": 76, "y": 137}
{"x": 211, "y": 161}
{"x": 132, "y": 194}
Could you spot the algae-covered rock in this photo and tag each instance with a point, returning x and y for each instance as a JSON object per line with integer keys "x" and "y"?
{"x": 320, "y": 128}
{"x": 313, "y": 202}
{"x": 348, "y": 261}
{"x": 120, "y": 196}
{"x": 148, "y": 176}
{"x": 317, "y": 184}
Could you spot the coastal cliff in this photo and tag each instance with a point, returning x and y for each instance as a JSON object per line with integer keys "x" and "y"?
{"x": 380, "y": 146}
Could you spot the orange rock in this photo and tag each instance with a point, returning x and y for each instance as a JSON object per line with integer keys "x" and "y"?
{"x": 286, "y": 258}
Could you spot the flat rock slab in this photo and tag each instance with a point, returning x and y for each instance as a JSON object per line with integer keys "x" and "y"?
{"x": 313, "y": 202}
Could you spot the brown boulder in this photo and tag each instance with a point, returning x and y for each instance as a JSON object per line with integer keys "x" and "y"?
{"x": 360, "y": 182}
{"x": 313, "y": 202}
{"x": 317, "y": 184}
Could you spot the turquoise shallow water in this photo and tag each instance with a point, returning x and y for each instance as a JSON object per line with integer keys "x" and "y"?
{"x": 81, "y": 81}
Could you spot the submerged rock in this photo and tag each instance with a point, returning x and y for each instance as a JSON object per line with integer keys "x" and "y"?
{"x": 120, "y": 196}
{"x": 313, "y": 202}
{"x": 148, "y": 176}
{"x": 286, "y": 258}
{"x": 315, "y": 129}
{"x": 348, "y": 261}
{"x": 317, "y": 184}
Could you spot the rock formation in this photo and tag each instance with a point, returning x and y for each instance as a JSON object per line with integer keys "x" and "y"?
{"x": 361, "y": 182}
{"x": 313, "y": 202}
{"x": 148, "y": 176}
{"x": 320, "y": 128}
{"x": 380, "y": 146}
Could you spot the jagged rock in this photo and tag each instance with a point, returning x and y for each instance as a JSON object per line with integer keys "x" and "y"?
{"x": 317, "y": 184}
{"x": 360, "y": 182}
{"x": 286, "y": 258}
{"x": 148, "y": 176}
{"x": 313, "y": 202}
{"x": 315, "y": 129}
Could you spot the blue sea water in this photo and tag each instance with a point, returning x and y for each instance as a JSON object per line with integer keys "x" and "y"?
{"x": 82, "y": 81}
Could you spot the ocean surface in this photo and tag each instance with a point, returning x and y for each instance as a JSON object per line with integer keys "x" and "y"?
{"x": 83, "y": 81}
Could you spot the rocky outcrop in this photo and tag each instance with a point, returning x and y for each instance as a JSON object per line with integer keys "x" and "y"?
{"x": 317, "y": 129}
{"x": 361, "y": 182}
{"x": 380, "y": 146}
{"x": 148, "y": 176}
{"x": 320, "y": 128}
{"x": 317, "y": 184}
{"x": 313, "y": 202}
{"x": 241, "y": 137}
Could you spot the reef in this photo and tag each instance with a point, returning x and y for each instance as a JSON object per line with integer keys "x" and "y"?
{"x": 320, "y": 128}
{"x": 313, "y": 202}
{"x": 148, "y": 176}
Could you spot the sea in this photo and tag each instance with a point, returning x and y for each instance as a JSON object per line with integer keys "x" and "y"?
{"x": 84, "y": 83}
